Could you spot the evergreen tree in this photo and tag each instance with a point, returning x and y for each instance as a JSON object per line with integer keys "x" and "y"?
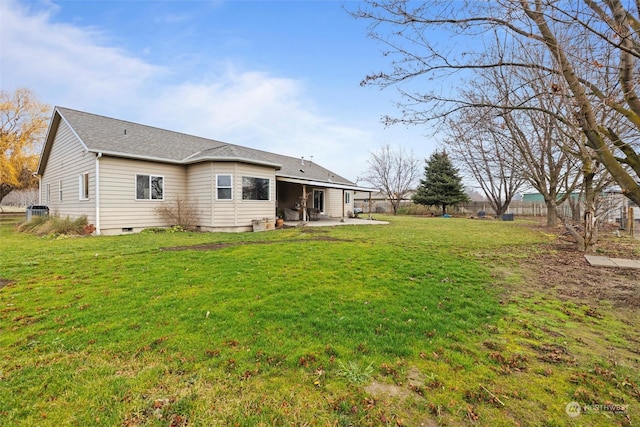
{"x": 441, "y": 186}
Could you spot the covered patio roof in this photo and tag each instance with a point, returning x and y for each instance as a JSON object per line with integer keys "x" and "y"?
{"x": 323, "y": 184}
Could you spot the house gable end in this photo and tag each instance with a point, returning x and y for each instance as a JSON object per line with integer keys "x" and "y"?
{"x": 52, "y": 131}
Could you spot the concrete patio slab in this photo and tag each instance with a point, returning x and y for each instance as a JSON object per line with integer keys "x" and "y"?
{"x": 600, "y": 261}
{"x": 334, "y": 222}
{"x": 626, "y": 263}
{"x": 603, "y": 261}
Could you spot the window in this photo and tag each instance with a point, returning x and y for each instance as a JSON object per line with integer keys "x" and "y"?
{"x": 48, "y": 194}
{"x": 149, "y": 187}
{"x": 318, "y": 200}
{"x": 347, "y": 198}
{"x": 60, "y": 190}
{"x": 255, "y": 188}
{"x": 83, "y": 181}
{"x": 224, "y": 189}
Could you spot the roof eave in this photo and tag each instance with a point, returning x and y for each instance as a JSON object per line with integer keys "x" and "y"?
{"x": 319, "y": 183}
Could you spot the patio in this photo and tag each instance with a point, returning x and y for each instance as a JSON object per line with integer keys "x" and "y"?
{"x": 332, "y": 222}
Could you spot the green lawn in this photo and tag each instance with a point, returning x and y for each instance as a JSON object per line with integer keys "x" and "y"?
{"x": 387, "y": 325}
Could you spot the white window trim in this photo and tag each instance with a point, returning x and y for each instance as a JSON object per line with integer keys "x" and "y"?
{"x": 347, "y": 198}
{"x": 230, "y": 187}
{"x": 59, "y": 191}
{"x": 47, "y": 196}
{"x": 83, "y": 186}
{"x": 150, "y": 199}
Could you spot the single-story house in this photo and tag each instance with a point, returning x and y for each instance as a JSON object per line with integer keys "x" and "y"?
{"x": 117, "y": 172}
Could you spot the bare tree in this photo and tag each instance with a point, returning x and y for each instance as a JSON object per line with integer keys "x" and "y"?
{"x": 557, "y": 160}
{"x": 590, "y": 57}
{"x": 485, "y": 156}
{"x": 546, "y": 164}
{"x": 394, "y": 173}
{"x": 504, "y": 146}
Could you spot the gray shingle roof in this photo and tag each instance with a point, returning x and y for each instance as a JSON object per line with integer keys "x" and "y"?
{"x": 127, "y": 139}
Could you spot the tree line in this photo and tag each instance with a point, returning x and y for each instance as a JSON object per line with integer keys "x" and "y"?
{"x": 547, "y": 95}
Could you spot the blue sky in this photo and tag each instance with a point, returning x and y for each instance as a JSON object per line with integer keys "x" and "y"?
{"x": 278, "y": 76}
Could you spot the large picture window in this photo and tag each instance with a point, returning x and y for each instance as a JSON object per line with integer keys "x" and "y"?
{"x": 255, "y": 188}
{"x": 224, "y": 188}
{"x": 149, "y": 187}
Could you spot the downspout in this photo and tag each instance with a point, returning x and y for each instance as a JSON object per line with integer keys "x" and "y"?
{"x": 98, "y": 193}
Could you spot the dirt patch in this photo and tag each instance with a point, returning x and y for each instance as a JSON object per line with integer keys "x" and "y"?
{"x": 4, "y": 282}
{"x": 564, "y": 269}
{"x": 313, "y": 230}
{"x": 383, "y": 390}
{"x": 560, "y": 271}
{"x": 415, "y": 382}
{"x": 415, "y": 386}
{"x": 217, "y": 246}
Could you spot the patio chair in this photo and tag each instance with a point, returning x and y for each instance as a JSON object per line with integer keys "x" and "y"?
{"x": 314, "y": 214}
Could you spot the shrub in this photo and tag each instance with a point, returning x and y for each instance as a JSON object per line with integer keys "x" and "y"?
{"x": 55, "y": 225}
{"x": 31, "y": 225}
{"x": 416, "y": 209}
{"x": 180, "y": 212}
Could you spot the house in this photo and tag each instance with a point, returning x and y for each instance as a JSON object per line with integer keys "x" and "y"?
{"x": 612, "y": 205}
{"x": 117, "y": 172}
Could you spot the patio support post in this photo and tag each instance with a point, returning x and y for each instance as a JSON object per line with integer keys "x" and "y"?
{"x": 304, "y": 203}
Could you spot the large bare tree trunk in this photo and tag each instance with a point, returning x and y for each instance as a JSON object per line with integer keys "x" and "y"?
{"x": 552, "y": 213}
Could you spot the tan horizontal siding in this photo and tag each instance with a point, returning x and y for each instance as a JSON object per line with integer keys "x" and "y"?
{"x": 238, "y": 212}
{"x": 118, "y": 205}
{"x": 224, "y": 211}
{"x": 333, "y": 202}
{"x": 67, "y": 162}
{"x": 199, "y": 181}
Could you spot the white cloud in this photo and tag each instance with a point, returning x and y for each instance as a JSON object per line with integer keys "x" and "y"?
{"x": 77, "y": 68}
{"x": 66, "y": 64}
{"x": 260, "y": 111}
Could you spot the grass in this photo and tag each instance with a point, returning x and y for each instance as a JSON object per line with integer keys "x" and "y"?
{"x": 295, "y": 326}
